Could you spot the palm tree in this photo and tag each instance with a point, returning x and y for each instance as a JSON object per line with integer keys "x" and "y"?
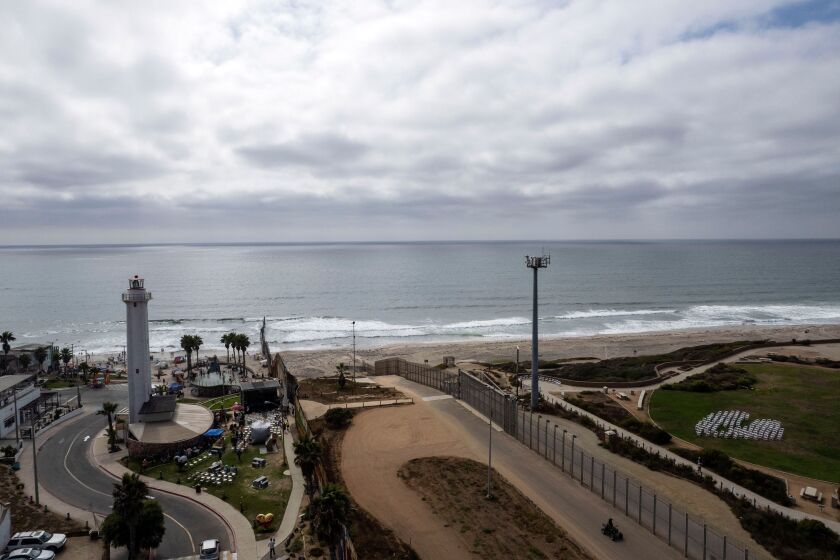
{"x": 84, "y": 369}
{"x": 342, "y": 379}
{"x": 307, "y": 456}
{"x": 243, "y": 343}
{"x": 129, "y": 497}
{"x": 41, "y": 357}
{"x": 186, "y": 344}
{"x": 196, "y": 344}
{"x": 55, "y": 358}
{"x": 329, "y": 513}
{"x": 6, "y": 338}
{"x": 109, "y": 409}
{"x": 66, "y": 356}
{"x": 227, "y": 340}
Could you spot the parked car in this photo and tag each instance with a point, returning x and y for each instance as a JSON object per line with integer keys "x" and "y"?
{"x": 37, "y": 539}
{"x": 210, "y": 549}
{"x": 29, "y": 554}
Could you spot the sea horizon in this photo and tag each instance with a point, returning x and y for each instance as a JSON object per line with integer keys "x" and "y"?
{"x": 399, "y": 292}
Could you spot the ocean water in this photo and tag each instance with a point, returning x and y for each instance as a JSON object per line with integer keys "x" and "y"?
{"x": 309, "y": 294}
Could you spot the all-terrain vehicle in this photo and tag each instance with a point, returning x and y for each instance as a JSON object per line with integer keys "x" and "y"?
{"x": 611, "y": 531}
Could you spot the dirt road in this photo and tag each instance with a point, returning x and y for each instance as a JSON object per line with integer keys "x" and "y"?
{"x": 380, "y": 441}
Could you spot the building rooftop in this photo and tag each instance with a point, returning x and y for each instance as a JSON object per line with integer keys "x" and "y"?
{"x": 9, "y": 381}
{"x": 258, "y": 385}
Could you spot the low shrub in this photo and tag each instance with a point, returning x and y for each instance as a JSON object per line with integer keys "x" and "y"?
{"x": 338, "y": 418}
{"x": 720, "y": 377}
{"x": 763, "y": 484}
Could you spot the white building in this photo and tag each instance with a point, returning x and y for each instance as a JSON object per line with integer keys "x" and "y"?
{"x": 21, "y": 387}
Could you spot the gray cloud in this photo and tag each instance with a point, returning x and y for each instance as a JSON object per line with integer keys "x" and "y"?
{"x": 359, "y": 121}
{"x": 318, "y": 151}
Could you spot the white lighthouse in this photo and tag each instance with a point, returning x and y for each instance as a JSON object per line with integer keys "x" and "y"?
{"x": 138, "y": 365}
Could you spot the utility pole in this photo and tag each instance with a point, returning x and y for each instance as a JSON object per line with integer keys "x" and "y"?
{"x": 517, "y": 373}
{"x": 17, "y": 419}
{"x": 35, "y": 458}
{"x": 536, "y": 263}
{"x": 354, "y": 354}
{"x": 489, "y": 442}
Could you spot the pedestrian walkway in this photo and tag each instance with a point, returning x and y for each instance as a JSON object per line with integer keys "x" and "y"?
{"x": 290, "y": 517}
{"x": 314, "y": 409}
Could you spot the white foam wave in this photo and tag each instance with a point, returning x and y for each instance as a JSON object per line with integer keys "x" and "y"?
{"x": 595, "y": 313}
{"x": 489, "y": 323}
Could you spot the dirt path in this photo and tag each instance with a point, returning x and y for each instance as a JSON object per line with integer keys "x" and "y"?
{"x": 374, "y": 448}
{"x": 380, "y": 441}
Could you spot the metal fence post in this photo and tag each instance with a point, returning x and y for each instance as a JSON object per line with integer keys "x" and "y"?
{"x": 669, "y": 523}
{"x": 724, "y": 547}
{"x": 603, "y": 468}
{"x": 704, "y": 541}
{"x": 614, "y": 485}
{"x": 640, "y": 506}
{"x": 563, "y": 452}
{"x": 654, "y": 514}
{"x": 531, "y": 431}
{"x": 592, "y": 472}
{"x": 546, "y": 438}
{"x": 627, "y": 496}
{"x": 554, "y": 453}
{"x": 686, "y": 535}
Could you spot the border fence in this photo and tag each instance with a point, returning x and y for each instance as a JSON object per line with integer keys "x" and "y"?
{"x": 689, "y": 535}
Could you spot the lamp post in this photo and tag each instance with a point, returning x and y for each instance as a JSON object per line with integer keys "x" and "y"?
{"x": 17, "y": 419}
{"x": 35, "y": 452}
{"x": 489, "y": 445}
{"x": 354, "y": 354}
{"x": 535, "y": 263}
{"x": 517, "y": 373}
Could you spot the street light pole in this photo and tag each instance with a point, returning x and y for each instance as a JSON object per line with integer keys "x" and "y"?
{"x": 17, "y": 419}
{"x": 517, "y": 373}
{"x": 35, "y": 460}
{"x": 354, "y": 354}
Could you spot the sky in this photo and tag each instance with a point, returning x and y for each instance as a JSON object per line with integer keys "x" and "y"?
{"x": 146, "y": 122}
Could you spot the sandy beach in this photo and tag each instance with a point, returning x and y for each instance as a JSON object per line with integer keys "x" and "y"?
{"x": 314, "y": 363}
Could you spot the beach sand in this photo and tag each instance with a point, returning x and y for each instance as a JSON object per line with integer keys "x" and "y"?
{"x": 314, "y": 363}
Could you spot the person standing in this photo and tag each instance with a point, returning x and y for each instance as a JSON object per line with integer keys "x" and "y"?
{"x": 271, "y": 552}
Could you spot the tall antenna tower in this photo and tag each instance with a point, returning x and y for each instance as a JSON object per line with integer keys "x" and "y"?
{"x": 535, "y": 263}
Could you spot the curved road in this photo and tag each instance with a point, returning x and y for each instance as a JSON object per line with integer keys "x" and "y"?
{"x": 66, "y": 471}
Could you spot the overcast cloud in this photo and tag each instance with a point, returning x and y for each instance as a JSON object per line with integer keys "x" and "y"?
{"x": 375, "y": 120}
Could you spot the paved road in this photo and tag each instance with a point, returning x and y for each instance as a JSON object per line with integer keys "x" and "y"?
{"x": 66, "y": 471}
{"x": 572, "y": 506}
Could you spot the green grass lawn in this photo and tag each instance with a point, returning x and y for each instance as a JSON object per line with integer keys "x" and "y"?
{"x": 804, "y": 399}
{"x": 218, "y": 402}
{"x": 269, "y": 500}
